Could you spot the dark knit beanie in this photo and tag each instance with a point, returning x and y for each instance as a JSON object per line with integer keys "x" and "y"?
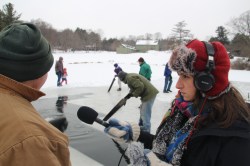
{"x": 122, "y": 75}
{"x": 24, "y": 53}
{"x": 192, "y": 58}
{"x": 140, "y": 59}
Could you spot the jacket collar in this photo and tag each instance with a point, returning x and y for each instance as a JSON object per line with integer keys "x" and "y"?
{"x": 9, "y": 85}
{"x": 142, "y": 63}
{"x": 237, "y": 129}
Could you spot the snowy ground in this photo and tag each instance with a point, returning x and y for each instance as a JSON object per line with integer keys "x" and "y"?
{"x": 92, "y": 72}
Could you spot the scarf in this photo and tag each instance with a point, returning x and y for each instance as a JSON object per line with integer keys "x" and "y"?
{"x": 173, "y": 132}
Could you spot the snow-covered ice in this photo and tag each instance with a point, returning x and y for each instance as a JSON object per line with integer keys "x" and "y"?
{"x": 93, "y": 72}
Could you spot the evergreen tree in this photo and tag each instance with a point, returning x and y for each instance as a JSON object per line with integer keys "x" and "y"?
{"x": 8, "y": 15}
{"x": 221, "y": 35}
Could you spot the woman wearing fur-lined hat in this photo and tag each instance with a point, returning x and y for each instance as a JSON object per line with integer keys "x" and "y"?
{"x": 208, "y": 123}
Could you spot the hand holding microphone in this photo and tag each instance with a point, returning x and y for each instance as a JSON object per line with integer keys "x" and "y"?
{"x": 122, "y": 132}
{"x": 118, "y": 130}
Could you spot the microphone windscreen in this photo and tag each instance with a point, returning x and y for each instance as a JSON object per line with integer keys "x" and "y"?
{"x": 87, "y": 114}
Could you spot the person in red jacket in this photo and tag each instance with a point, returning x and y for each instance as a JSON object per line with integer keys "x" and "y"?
{"x": 64, "y": 76}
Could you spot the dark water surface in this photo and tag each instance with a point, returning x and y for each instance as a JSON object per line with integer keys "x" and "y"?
{"x": 86, "y": 139}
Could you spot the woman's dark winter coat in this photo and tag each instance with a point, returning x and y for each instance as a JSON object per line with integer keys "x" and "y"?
{"x": 214, "y": 146}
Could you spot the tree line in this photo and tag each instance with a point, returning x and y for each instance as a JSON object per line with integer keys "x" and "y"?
{"x": 82, "y": 39}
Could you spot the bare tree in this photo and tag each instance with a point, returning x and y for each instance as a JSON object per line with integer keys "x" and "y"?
{"x": 66, "y": 38}
{"x": 157, "y": 36}
{"x": 241, "y": 24}
{"x": 180, "y": 33}
{"x": 114, "y": 45}
{"x": 132, "y": 38}
{"x": 94, "y": 40}
{"x": 240, "y": 45}
{"x": 168, "y": 44}
{"x": 140, "y": 37}
{"x": 48, "y": 31}
{"x": 148, "y": 36}
{"x": 100, "y": 32}
{"x": 240, "y": 27}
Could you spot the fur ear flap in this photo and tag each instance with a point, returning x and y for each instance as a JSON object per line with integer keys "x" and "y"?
{"x": 182, "y": 60}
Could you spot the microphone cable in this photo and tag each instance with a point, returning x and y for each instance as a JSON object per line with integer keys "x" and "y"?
{"x": 123, "y": 154}
{"x": 122, "y": 151}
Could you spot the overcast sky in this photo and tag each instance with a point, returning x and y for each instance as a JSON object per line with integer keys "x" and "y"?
{"x": 121, "y": 18}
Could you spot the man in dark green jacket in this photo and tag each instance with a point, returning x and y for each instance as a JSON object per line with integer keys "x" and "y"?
{"x": 141, "y": 87}
{"x": 145, "y": 69}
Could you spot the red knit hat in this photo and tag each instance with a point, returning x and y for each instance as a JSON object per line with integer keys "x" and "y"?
{"x": 193, "y": 57}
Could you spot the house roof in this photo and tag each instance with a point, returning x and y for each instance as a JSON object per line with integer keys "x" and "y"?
{"x": 146, "y": 42}
{"x": 128, "y": 46}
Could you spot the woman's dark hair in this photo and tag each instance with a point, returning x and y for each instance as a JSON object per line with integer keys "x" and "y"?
{"x": 226, "y": 109}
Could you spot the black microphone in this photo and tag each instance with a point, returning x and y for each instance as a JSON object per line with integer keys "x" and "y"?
{"x": 88, "y": 115}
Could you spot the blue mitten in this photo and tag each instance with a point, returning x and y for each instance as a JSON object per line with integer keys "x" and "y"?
{"x": 122, "y": 131}
{"x": 143, "y": 157}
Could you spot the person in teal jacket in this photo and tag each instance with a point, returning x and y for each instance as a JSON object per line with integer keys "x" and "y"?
{"x": 141, "y": 87}
{"x": 145, "y": 69}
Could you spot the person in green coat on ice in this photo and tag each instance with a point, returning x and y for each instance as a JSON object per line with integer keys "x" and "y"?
{"x": 140, "y": 87}
{"x": 145, "y": 69}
